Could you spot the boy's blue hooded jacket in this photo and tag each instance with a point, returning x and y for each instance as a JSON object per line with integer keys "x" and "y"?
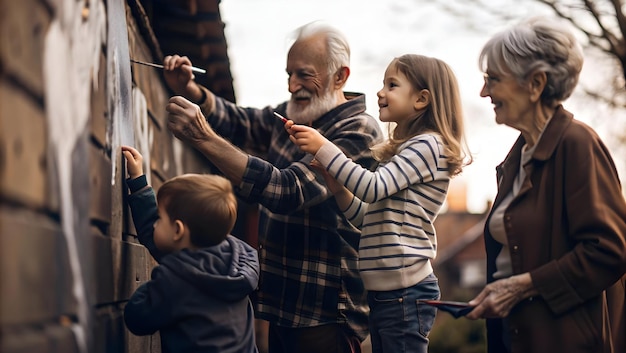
{"x": 198, "y": 300}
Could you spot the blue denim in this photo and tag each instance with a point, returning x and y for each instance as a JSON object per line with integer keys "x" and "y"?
{"x": 398, "y": 324}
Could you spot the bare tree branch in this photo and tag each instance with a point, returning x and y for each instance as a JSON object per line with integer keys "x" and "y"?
{"x": 619, "y": 16}
{"x": 606, "y": 34}
{"x": 601, "y": 22}
{"x": 594, "y": 39}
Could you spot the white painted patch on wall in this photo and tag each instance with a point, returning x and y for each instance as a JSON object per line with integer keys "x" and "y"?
{"x": 119, "y": 82}
{"x": 143, "y": 135}
{"x": 113, "y": 135}
{"x": 71, "y": 58}
{"x": 177, "y": 146}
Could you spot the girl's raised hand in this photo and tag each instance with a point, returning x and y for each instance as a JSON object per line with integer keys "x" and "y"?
{"x": 134, "y": 162}
{"x": 307, "y": 138}
{"x": 288, "y": 126}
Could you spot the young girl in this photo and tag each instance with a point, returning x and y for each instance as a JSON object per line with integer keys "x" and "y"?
{"x": 396, "y": 205}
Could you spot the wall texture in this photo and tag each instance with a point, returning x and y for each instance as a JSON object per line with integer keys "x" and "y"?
{"x": 69, "y": 258}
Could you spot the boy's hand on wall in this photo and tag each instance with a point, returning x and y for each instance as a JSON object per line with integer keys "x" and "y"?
{"x": 134, "y": 162}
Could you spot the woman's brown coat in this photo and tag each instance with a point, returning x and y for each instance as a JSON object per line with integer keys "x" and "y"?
{"x": 566, "y": 227}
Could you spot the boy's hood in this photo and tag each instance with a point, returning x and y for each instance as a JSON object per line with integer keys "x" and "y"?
{"x": 229, "y": 270}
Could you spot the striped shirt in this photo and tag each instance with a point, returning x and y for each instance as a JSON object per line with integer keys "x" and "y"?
{"x": 395, "y": 207}
{"x": 307, "y": 248}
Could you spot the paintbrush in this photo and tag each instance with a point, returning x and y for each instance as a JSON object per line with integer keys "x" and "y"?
{"x": 193, "y": 68}
{"x": 280, "y": 117}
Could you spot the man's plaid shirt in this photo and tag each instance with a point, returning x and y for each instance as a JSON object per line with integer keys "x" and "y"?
{"x": 308, "y": 250}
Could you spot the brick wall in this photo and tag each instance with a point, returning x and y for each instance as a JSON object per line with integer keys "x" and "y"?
{"x": 69, "y": 258}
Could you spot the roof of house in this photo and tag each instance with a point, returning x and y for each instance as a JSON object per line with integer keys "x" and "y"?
{"x": 459, "y": 237}
{"x": 192, "y": 28}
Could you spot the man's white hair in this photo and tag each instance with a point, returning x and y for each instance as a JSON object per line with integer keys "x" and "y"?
{"x": 336, "y": 43}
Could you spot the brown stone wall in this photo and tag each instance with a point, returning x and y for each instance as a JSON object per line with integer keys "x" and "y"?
{"x": 69, "y": 258}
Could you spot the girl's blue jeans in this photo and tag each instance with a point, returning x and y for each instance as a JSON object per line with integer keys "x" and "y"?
{"x": 398, "y": 324}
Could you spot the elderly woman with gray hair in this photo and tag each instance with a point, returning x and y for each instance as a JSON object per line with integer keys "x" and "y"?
{"x": 555, "y": 236}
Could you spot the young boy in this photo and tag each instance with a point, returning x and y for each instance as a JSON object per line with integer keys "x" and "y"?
{"x": 198, "y": 296}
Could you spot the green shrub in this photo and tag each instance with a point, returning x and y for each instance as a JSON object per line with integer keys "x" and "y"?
{"x": 450, "y": 335}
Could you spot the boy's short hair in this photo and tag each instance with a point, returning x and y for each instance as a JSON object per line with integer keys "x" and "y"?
{"x": 205, "y": 203}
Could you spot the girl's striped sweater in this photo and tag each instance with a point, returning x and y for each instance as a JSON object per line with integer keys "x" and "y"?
{"x": 395, "y": 207}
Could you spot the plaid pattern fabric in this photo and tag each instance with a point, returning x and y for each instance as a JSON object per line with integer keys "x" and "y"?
{"x": 307, "y": 249}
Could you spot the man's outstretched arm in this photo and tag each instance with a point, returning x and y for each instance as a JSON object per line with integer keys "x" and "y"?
{"x": 188, "y": 124}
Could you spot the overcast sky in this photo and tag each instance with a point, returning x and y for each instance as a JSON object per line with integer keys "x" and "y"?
{"x": 258, "y": 33}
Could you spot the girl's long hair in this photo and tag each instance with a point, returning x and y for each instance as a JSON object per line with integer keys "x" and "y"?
{"x": 444, "y": 114}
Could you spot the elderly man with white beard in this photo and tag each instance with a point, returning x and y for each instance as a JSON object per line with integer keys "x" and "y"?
{"x": 310, "y": 291}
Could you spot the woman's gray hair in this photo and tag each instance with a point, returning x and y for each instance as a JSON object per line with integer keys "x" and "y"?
{"x": 537, "y": 44}
{"x": 336, "y": 42}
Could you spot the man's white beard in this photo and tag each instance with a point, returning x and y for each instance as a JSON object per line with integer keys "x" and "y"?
{"x": 314, "y": 110}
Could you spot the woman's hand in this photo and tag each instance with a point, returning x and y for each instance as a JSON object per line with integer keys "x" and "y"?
{"x": 498, "y": 298}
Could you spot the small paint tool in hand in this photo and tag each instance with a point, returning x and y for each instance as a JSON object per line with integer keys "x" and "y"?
{"x": 284, "y": 120}
{"x": 193, "y": 68}
{"x": 456, "y": 309}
